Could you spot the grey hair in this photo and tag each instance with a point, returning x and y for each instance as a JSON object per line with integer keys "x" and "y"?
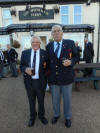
{"x": 35, "y": 36}
{"x": 56, "y": 26}
{"x": 86, "y": 38}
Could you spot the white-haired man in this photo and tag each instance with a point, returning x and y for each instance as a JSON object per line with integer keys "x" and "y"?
{"x": 62, "y": 56}
{"x": 33, "y": 65}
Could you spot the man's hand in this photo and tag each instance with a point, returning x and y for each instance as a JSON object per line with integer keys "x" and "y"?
{"x": 28, "y": 71}
{"x": 67, "y": 63}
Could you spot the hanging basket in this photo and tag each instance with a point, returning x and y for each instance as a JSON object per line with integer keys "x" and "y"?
{"x": 13, "y": 12}
{"x": 16, "y": 44}
{"x": 56, "y": 9}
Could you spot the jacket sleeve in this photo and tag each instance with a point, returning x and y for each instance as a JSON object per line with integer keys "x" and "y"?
{"x": 90, "y": 46}
{"x": 75, "y": 57}
{"x": 22, "y": 63}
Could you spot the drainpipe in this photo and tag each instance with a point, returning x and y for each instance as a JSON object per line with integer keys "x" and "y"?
{"x": 98, "y": 36}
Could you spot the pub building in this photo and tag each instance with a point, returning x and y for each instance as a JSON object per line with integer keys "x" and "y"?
{"x": 20, "y": 20}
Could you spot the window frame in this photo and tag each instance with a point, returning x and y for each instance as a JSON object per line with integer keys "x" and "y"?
{"x": 6, "y": 19}
{"x": 65, "y": 14}
{"x": 78, "y": 14}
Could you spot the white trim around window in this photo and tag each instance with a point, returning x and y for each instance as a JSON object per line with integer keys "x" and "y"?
{"x": 78, "y": 14}
{"x": 65, "y": 14}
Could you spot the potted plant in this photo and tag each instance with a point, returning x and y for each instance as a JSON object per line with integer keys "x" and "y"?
{"x": 56, "y": 9}
{"x": 13, "y": 11}
{"x": 16, "y": 44}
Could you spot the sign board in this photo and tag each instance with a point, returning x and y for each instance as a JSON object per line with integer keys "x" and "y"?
{"x": 36, "y": 13}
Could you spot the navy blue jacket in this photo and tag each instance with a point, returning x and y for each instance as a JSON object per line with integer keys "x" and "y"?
{"x": 59, "y": 74}
{"x": 25, "y": 62}
{"x": 12, "y": 56}
{"x": 88, "y": 52}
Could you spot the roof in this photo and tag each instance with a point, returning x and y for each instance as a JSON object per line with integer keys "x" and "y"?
{"x": 44, "y": 27}
{"x": 34, "y": 2}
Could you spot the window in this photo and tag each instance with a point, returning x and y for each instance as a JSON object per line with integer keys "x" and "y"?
{"x": 26, "y": 42}
{"x": 64, "y": 10}
{"x": 7, "y": 18}
{"x": 78, "y": 14}
{"x": 4, "y": 40}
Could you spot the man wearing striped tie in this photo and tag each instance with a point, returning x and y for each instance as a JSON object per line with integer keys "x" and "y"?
{"x": 62, "y": 56}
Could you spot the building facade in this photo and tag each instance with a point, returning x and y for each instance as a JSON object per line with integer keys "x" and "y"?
{"x": 64, "y": 14}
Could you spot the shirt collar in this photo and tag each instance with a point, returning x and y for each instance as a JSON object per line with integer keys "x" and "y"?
{"x": 57, "y": 42}
{"x": 36, "y": 50}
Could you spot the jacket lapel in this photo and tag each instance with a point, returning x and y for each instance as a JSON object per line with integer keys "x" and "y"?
{"x": 29, "y": 58}
{"x": 62, "y": 49}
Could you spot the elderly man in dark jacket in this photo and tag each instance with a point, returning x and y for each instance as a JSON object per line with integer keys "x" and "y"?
{"x": 88, "y": 56}
{"x": 62, "y": 56}
{"x": 1, "y": 63}
{"x": 33, "y": 65}
{"x": 12, "y": 56}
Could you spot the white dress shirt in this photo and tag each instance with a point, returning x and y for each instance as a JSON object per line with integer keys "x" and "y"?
{"x": 36, "y": 76}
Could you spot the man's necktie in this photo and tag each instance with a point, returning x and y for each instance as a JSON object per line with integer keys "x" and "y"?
{"x": 34, "y": 63}
{"x": 57, "y": 49}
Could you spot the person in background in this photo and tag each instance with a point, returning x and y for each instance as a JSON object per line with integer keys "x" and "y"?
{"x": 12, "y": 56}
{"x": 79, "y": 50}
{"x": 33, "y": 64}
{"x": 62, "y": 56}
{"x": 88, "y": 56}
{"x": 1, "y": 64}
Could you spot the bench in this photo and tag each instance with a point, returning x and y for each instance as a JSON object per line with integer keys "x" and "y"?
{"x": 94, "y": 77}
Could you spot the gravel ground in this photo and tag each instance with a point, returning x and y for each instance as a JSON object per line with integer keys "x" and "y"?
{"x": 14, "y": 110}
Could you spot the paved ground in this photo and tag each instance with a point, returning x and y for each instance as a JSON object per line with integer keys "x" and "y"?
{"x": 14, "y": 113}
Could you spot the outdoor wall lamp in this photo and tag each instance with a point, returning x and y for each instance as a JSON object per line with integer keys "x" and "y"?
{"x": 88, "y": 2}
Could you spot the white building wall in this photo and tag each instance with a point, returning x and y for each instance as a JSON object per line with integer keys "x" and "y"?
{"x": 90, "y": 15}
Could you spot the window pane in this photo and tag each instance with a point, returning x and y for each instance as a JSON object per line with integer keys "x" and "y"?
{"x": 7, "y": 22}
{"x": 4, "y": 40}
{"x": 77, "y": 19}
{"x": 6, "y": 13}
{"x": 64, "y": 10}
{"x": 77, "y": 9}
{"x": 7, "y": 18}
{"x": 64, "y": 19}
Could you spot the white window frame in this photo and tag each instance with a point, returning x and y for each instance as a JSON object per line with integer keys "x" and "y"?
{"x": 79, "y": 14}
{"x": 65, "y": 14}
{"x": 7, "y": 37}
{"x": 3, "y": 17}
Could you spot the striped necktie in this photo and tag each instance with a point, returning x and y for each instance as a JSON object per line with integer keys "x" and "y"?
{"x": 57, "y": 49}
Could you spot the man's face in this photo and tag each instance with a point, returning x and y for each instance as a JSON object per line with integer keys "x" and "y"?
{"x": 57, "y": 34}
{"x": 76, "y": 44}
{"x": 35, "y": 44}
{"x": 85, "y": 41}
{"x": 8, "y": 46}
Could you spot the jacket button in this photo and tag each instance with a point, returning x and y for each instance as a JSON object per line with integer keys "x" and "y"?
{"x": 56, "y": 73}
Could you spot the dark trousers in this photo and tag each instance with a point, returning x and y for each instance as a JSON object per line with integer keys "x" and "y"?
{"x": 35, "y": 91}
{"x": 1, "y": 69}
{"x": 13, "y": 69}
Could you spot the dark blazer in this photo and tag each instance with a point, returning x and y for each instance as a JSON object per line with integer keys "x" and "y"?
{"x": 12, "y": 56}
{"x": 25, "y": 62}
{"x": 60, "y": 74}
{"x": 79, "y": 50}
{"x": 88, "y": 52}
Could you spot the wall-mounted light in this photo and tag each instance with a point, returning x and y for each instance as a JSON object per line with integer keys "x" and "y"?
{"x": 28, "y": 7}
{"x": 88, "y": 2}
{"x": 31, "y": 33}
{"x": 44, "y": 6}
